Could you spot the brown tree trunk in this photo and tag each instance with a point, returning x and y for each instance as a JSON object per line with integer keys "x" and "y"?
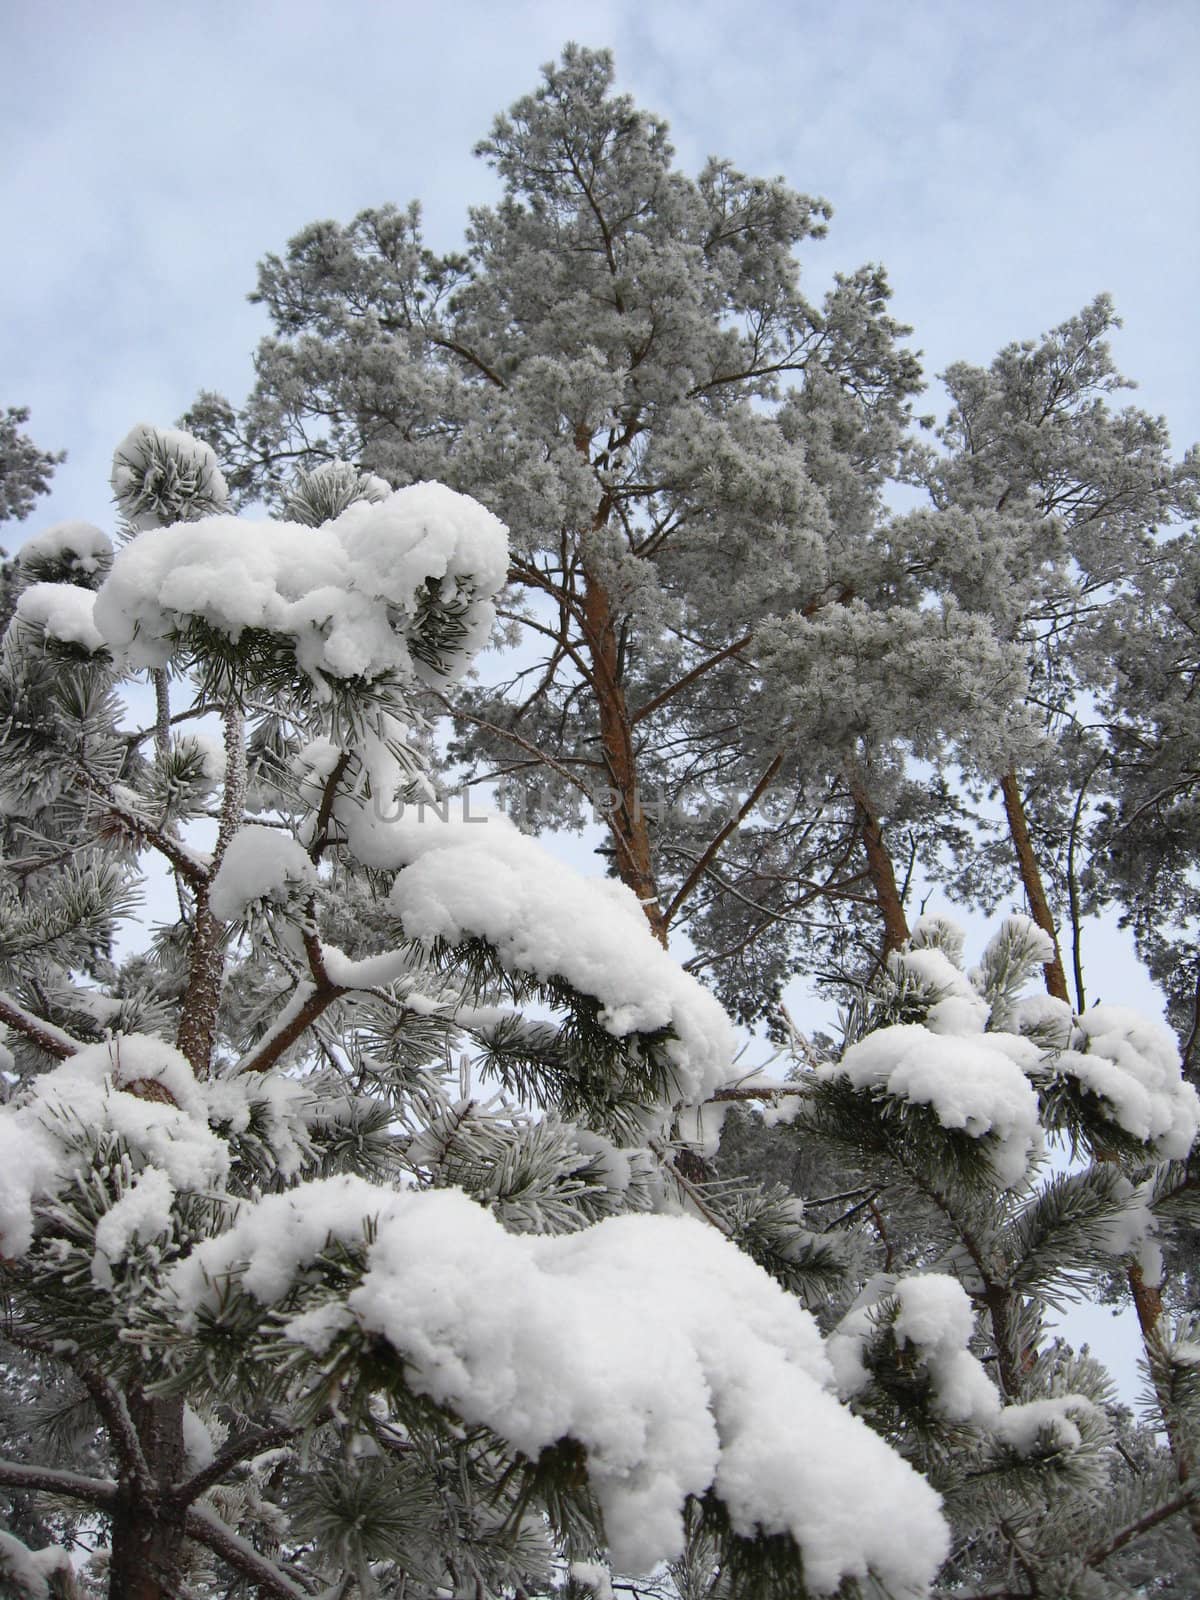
{"x": 198, "y": 1019}
{"x": 1031, "y": 878}
{"x": 206, "y": 959}
{"x": 625, "y": 816}
{"x": 880, "y": 870}
{"x": 1147, "y": 1299}
{"x": 147, "y": 1529}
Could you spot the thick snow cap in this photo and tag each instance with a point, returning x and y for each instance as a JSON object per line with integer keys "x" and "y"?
{"x": 655, "y": 1343}
{"x": 401, "y": 586}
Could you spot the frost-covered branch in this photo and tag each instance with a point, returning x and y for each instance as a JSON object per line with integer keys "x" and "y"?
{"x": 1183, "y": 1501}
{"x": 99, "y": 1492}
{"x": 162, "y": 706}
{"x": 110, "y": 1402}
{"x": 44, "y": 1034}
{"x": 204, "y": 1526}
{"x": 141, "y": 830}
{"x": 308, "y": 1002}
{"x": 232, "y": 1454}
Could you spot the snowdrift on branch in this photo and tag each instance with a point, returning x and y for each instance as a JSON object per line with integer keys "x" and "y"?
{"x": 652, "y": 1341}
{"x": 485, "y": 879}
{"x": 401, "y": 587}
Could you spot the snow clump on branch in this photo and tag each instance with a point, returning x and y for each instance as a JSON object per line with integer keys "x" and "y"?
{"x": 64, "y": 611}
{"x": 399, "y": 587}
{"x": 976, "y": 1084}
{"x": 139, "y": 1091}
{"x": 1131, "y": 1066}
{"x": 484, "y": 879}
{"x": 932, "y": 1314}
{"x": 259, "y": 863}
{"x": 651, "y": 1341}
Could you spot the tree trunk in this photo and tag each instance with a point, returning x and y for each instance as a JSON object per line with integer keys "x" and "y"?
{"x": 198, "y": 1020}
{"x": 624, "y": 814}
{"x": 880, "y": 870}
{"x": 147, "y": 1529}
{"x": 206, "y": 961}
{"x": 1147, "y": 1299}
{"x": 1031, "y": 879}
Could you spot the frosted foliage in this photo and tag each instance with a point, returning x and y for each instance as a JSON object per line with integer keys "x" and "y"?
{"x": 103, "y": 1089}
{"x": 281, "y": 1107}
{"x": 896, "y": 674}
{"x": 977, "y": 1084}
{"x": 1132, "y": 1065}
{"x": 162, "y": 475}
{"x": 81, "y": 547}
{"x": 259, "y": 864}
{"x": 934, "y": 970}
{"x": 485, "y": 879}
{"x": 1032, "y": 944}
{"x": 325, "y": 492}
{"x": 64, "y": 611}
{"x": 937, "y": 932}
{"x": 141, "y": 1090}
{"x": 652, "y": 1341}
{"x": 210, "y": 751}
{"x": 142, "y": 1212}
{"x": 350, "y": 595}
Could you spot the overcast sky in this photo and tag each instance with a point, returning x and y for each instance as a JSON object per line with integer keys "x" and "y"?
{"x": 1005, "y": 162}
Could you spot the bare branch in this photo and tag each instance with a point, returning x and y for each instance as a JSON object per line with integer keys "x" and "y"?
{"x": 469, "y": 356}
{"x": 697, "y": 872}
{"x": 673, "y": 689}
{"x": 325, "y": 812}
{"x": 539, "y": 756}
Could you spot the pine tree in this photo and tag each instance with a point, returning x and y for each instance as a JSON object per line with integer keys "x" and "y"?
{"x": 232, "y": 1160}
{"x": 624, "y": 366}
{"x": 1051, "y": 509}
{"x": 354, "y": 1237}
{"x": 933, "y": 1119}
{"x": 1144, "y": 843}
{"x": 25, "y": 471}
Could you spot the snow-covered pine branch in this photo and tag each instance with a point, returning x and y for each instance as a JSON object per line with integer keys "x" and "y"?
{"x": 380, "y": 1154}
{"x": 582, "y": 1380}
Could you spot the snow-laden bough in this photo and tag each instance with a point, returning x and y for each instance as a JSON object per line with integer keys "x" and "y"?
{"x": 652, "y": 1342}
